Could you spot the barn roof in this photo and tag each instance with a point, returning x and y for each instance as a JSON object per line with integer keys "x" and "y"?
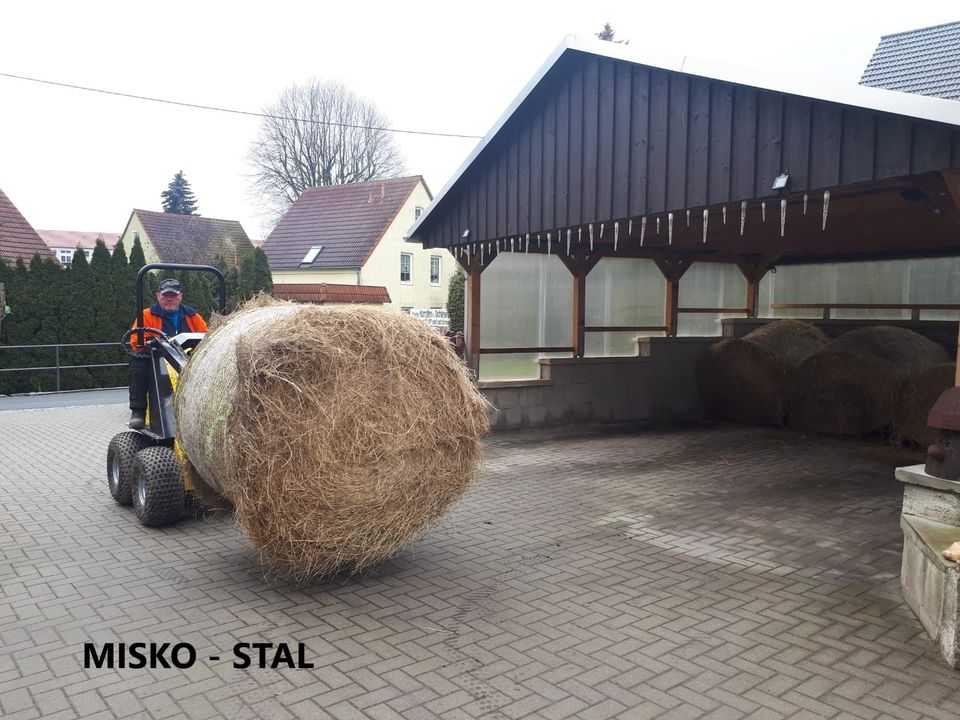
{"x": 193, "y": 238}
{"x": 602, "y": 135}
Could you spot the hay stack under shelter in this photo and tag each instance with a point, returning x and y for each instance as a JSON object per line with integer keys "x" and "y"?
{"x": 747, "y": 379}
{"x": 337, "y": 433}
{"x": 853, "y": 385}
{"x": 920, "y": 392}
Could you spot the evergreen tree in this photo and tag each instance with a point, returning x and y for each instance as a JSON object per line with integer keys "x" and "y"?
{"x": 178, "y": 197}
{"x": 76, "y": 322}
{"x": 137, "y": 258}
{"x": 255, "y": 274}
{"x": 607, "y": 34}
{"x": 455, "y": 295}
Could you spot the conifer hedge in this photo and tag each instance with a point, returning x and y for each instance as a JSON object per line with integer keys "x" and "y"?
{"x": 92, "y": 302}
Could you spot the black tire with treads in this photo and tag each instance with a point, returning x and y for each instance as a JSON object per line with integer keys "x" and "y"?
{"x": 121, "y": 455}
{"x": 159, "y": 497}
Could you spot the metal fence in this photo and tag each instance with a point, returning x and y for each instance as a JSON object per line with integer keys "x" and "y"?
{"x": 57, "y": 367}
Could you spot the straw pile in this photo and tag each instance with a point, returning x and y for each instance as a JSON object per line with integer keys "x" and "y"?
{"x": 337, "y": 433}
{"x": 747, "y": 380}
{"x": 852, "y": 387}
{"x": 920, "y": 392}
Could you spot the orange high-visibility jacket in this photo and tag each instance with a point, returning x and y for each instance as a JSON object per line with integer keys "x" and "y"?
{"x": 190, "y": 321}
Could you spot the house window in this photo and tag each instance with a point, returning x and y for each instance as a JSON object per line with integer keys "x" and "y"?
{"x": 406, "y": 268}
{"x": 417, "y": 212}
{"x": 434, "y": 269}
{"x": 65, "y": 256}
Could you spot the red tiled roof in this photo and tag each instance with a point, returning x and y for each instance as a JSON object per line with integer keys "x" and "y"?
{"x": 193, "y": 238}
{"x": 321, "y": 293}
{"x": 69, "y": 239}
{"x": 17, "y": 238}
{"x": 347, "y": 220}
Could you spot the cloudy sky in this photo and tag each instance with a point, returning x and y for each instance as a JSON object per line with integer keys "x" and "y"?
{"x": 76, "y": 160}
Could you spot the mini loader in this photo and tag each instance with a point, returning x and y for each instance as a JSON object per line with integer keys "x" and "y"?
{"x": 145, "y": 467}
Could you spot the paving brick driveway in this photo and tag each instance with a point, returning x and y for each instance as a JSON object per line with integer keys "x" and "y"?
{"x": 716, "y": 573}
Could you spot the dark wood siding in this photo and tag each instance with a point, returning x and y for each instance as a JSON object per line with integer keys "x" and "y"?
{"x": 601, "y": 140}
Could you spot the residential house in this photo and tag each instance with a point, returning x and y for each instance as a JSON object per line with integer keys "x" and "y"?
{"x": 64, "y": 243}
{"x": 353, "y": 234}
{"x": 172, "y": 238}
{"x": 17, "y": 237}
{"x": 922, "y": 62}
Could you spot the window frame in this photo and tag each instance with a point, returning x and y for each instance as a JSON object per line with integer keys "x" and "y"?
{"x": 409, "y": 280}
{"x": 439, "y": 281}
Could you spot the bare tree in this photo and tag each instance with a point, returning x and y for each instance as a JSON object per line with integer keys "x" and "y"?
{"x": 320, "y": 133}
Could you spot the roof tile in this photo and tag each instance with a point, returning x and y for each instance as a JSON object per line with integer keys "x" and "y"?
{"x": 17, "y": 237}
{"x": 347, "y": 220}
{"x": 193, "y": 238}
{"x": 321, "y": 293}
{"x": 922, "y": 62}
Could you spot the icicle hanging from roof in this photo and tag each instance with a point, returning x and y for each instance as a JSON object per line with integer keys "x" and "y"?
{"x": 549, "y": 242}
{"x": 743, "y": 215}
{"x": 763, "y": 211}
{"x": 669, "y": 228}
{"x": 590, "y": 227}
{"x": 688, "y": 218}
{"x": 826, "y": 208}
{"x": 804, "y": 203}
{"x": 783, "y": 215}
{"x": 643, "y": 229}
{"x": 724, "y": 212}
{"x": 706, "y": 219}
{"x": 616, "y": 235}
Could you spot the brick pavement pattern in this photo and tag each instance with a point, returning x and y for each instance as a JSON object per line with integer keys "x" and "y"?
{"x": 697, "y": 573}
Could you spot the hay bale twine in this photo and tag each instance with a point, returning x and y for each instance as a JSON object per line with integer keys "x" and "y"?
{"x": 337, "y": 433}
{"x": 843, "y": 393}
{"x": 908, "y": 351}
{"x": 747, "y": 380}
{"x": 920, "y": 392}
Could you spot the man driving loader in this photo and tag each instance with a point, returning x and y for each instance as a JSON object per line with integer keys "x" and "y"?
{"x": 169, "y": 315}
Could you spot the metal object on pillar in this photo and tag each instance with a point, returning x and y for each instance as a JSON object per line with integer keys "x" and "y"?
{"x": 943, "y": 457}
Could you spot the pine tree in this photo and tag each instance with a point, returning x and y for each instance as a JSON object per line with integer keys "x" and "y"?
{"x": 455, "y": 295}
{"x": 607, "y": 34}
{"x": 178, "y": 197}
{"x": 76, "y": 322}
{"x": 137, "y": 258}
{"x": 255, "y": 276}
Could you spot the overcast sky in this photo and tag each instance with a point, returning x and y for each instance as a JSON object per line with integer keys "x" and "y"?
{"x": 74, "y": 160}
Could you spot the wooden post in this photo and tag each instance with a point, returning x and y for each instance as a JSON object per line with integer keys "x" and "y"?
{"x": 473, "y": 269}
{"x": 672, "y": 268}
{"x": 579, "y": 266}
{"x": 753, "y": 269}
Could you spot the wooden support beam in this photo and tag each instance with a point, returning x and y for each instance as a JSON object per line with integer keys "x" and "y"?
{"x": 672, "y": 267}
{"x": 580, "y": 266}
{"x": 474, "y": 268}
{"x": 754, "y": 268}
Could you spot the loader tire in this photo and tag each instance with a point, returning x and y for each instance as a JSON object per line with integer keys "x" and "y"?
{"x": 121, "y": 454}
{"x": 158, "y": 494}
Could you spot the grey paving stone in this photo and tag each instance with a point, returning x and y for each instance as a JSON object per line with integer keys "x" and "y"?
{"x": 702, "y": 573}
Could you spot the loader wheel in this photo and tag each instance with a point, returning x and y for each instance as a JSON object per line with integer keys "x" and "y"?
{"x": 121, "y": 453}
{"x": 158, "y": 495}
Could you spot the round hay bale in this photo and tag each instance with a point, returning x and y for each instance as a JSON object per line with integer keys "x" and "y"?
{"x": 747, "y": 380}
{"x": 906, "y": 350}
{"x": 792, "y": 341}
{"x": 843, "y": 393}
{"x": 742, "y": 382}
{"x": 337, "y": 433}
{"x": 919, "y": 394}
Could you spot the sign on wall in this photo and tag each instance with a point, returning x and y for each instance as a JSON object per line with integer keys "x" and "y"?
{"x": 439, "y": 320}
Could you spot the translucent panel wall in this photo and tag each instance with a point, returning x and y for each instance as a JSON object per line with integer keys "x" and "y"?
{"x": 525, "y": 301}
{"x": 622, "y": 292}
{"x": 709, "y": 285}
{"x": 927, "y": 281}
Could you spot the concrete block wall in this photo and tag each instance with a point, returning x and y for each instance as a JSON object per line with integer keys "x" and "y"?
{"x": 658, "y": 384}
